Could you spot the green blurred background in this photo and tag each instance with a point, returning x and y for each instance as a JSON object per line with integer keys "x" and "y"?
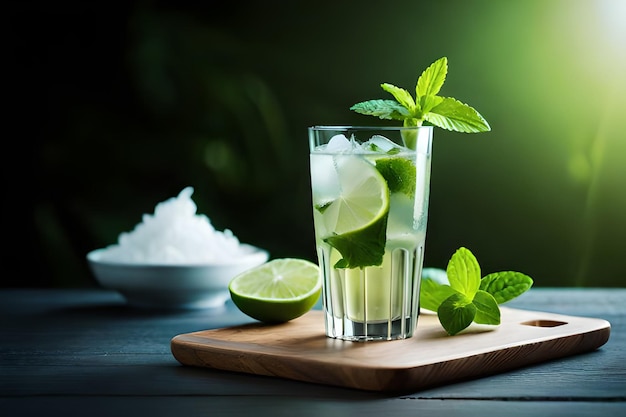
{"x": 114, "y": 108}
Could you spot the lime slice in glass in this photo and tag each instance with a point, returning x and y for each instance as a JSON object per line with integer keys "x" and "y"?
{"x": 357, "y": 217}
{"x": 277, "y": 291}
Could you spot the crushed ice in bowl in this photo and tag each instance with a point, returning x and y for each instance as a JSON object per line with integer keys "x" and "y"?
{"x": 175, "y": 234}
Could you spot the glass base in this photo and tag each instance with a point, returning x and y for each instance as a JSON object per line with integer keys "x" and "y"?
{"x": 373, "y": 303}
{"x": 345, "y": 329}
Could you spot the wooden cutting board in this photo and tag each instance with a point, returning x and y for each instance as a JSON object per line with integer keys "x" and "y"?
{"x": 300, "y": 350}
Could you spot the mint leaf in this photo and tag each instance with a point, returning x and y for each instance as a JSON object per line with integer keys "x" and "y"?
{"x": 456, "y": 313}
{"x": 464, "y": 272}
{"x": 453, "y": 115}
{"x": 383, "y": 109}
{"x": 403, "y": 96}
{"x": 431, "y": 80}
{"x": 444, "y": 112}
{"x": 428, "y": 103}
{"x": 487, "y": 310}
{"x": 361, "y": 248}
{"x": 322, "y": 207}
{"x": 468, "y": 298}
{"x": 505, "y": 286}
{"x": 432, "y": 294}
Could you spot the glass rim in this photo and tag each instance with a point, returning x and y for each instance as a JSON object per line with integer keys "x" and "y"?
{"x": 349, "y": 127}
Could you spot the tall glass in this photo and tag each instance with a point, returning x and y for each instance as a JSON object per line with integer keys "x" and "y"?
{"x": 370, "y": 188}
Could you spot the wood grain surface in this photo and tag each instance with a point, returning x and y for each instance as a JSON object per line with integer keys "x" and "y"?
{"x": 299, "y": 350}
{"x": 72, "y": 352}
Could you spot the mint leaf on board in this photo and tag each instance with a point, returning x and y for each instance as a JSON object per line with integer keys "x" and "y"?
{"x": 456, "y": 313}
{"x": 505, "y": 286}
{"x": 432, "y": 294}
{"x": 444, "y": 112}
{"x": 462, "y": 297}
{"x": 464, "y": 272}
{"x": 487, "y": 310}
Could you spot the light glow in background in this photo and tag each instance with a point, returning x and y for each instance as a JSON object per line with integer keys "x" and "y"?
{"x": 549, "y": 182}
{"x": 175, "y": 94}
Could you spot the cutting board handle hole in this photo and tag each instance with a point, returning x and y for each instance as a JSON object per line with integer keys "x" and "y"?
{"x": 544, "y": 323}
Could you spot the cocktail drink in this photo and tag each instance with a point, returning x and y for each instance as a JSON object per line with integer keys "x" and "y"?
{"x": 370, "y": 188}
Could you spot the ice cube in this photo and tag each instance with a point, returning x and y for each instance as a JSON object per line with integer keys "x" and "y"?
{"x": 339, "y": 143}
{"x": 379, "y": 143}
{"x": 324, "y": 180}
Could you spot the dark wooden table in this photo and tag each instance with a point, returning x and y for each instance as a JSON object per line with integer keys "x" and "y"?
{"x": 84, "y": 353}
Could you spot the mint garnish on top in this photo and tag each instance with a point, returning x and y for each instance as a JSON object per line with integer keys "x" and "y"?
{"x": 444, "y": 112}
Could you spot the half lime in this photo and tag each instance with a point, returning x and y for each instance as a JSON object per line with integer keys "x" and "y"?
{"x": 277, "y": 291}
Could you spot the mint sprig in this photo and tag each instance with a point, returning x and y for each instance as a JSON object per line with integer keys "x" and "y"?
{"x": 467, "y": 298}
{"x": 444, "y": 112}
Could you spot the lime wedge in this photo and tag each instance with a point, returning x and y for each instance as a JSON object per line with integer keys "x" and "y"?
{"x": 356, "y": 219}
{"x": 400, "y": 174}
{"x": 277, "y": 291}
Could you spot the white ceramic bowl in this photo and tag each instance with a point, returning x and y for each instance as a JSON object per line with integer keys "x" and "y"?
{"x": 173, "y": 286}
